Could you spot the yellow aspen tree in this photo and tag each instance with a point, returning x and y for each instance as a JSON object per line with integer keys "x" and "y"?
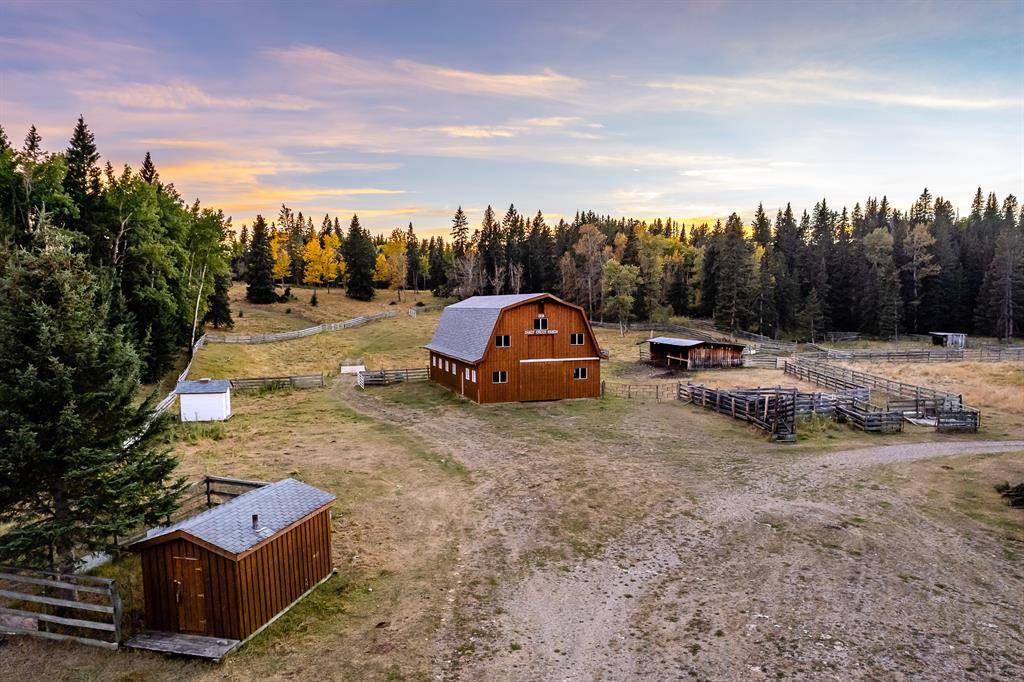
{"x": 329, "y": 258}
{"x": 282, "y": 259}
{"x": 313, "y": 256}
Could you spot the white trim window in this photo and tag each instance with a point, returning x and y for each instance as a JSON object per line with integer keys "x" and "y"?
{"x": 455, "y": 368}
{"x": 576, "y": 339}
{"x": 433, "y": 360}
{"x": 540, "y": 323}
{"x": 499, "y": 377}
{"x": 447, "y": 366}
{"x": 473, "y": 379}
{"x": 466, "y": 373}
{"x": 503, "y": 341}
{"x": 579, "y": 372}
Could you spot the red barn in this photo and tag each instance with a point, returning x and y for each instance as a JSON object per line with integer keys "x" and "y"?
{"x": 495, "y": 349}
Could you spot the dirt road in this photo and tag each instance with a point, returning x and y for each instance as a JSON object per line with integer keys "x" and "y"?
{"x": 656, "y": 555}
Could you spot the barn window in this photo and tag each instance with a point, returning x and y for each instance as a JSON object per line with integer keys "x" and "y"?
{"x": 540, "y": 323}
{"x": 467, "y": 372}
{"x": 473, "y": 379}
{"x": 499, "y": 377}
{"x": 579, "y": 372}
{"x": 503, "y": 341}
{"x": 433, "y": 360}
{"x": 576, "y": 339}
{"x": 455, "y": 368}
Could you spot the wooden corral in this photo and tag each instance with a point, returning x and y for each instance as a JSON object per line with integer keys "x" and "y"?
{"x": 691, "y": 354}
{"x": 521, "y": 347}
{"x": 231, "y": 570}
{"x": 949, "y": 339}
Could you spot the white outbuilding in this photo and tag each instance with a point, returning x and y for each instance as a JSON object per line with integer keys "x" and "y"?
{"x": 204, "y": 400}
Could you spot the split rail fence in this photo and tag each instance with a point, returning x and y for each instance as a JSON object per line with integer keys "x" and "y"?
{"x": 771, "y": 410}
{"x": 987, "y": 354}
{"x": 655, "y": 392}
{"x": 299, "y": 333}
{"x": 300, "y": 381}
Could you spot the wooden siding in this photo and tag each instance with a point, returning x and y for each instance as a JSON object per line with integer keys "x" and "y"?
{"x": 704, "y": 356}
{"x": 527, "y": 381}
{"x": 278, "y": 572}
{"x": 239, "y": 595}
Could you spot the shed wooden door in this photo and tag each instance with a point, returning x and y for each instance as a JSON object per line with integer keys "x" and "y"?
{"x": 188, "y": 589}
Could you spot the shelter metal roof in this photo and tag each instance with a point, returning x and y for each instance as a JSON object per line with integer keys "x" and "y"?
{"x": 203, "y": 386}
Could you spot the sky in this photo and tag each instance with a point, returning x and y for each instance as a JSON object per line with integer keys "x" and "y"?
{"x": 402, "y": 112}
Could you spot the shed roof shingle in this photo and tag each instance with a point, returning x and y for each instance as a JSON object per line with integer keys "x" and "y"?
{"x": 229, "y": 525}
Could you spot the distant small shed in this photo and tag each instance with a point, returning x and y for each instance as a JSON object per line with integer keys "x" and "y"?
{"x": 949, "y": 339}
{"x": 230, "y": 570}
{"x": 204, "y": 400}
{"x": 667, "y": 351}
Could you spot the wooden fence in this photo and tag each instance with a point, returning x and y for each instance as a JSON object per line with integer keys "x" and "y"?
{"x": 75, "y": 608}
{"x": 384, "y": 377}
{"x": 987, "y": 354}
{"x": 300, "y": 381}
{"x": 867, "y": 417}
{"x": 904, "y": 398}
{"x": 429, "y": 308}
{"x": 771, "y": 410}
{"x": 655, "y": 392}
{"x": 299, "y": 333}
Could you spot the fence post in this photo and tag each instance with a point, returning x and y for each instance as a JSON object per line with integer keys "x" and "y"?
{"x": 602, "y": 388}
{"x": 209, "y": 503}
{"x": 115, "y": 601}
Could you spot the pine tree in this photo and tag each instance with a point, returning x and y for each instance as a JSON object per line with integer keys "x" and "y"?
{"x": 1001, "y": 306}
{"x": 920, "y": 266}
{"x": 5, "y": 144}
{"x": 218, "y": 311}
{"x": 80, "y": 458}
{"x": 33, "y": 147}
{"x": 360, "y": 260}
{"x": 762, "y": 227}
{"x": 413, "y": 274}
{"x": 881, "y": 303}
{"x": 82, "y": 185}
{"x": 491, "y": 247}
{"x": 260, "y": 263}
{"x": 734, "y": 276}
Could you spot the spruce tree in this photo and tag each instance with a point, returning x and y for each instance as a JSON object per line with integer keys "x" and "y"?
{"x": 762, "y": 227}
{"x": 219, "y": 307}
{"x": 1000, "y": 309}
{"x": 412, "y": 260}
{"x": 5, "y": 144}
{"x": 734, "y": 276}
{"x": 80, "y": 462}
{"x": 82, "y": 185}
{"x": 148, "y": 172}
{"x": 33, "y": 147}
{"x": 260, "y": 265}
{"x": 360, "y": 261}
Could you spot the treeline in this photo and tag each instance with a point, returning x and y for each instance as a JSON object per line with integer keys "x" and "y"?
{"x": 873, "y": 269}
{"x": 158, "y": 260}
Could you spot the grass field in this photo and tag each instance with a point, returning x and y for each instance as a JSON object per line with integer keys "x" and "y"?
{"x": 605, "y": 539}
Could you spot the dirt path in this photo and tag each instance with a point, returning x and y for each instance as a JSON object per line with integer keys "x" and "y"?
{"x": 755, "y": 568}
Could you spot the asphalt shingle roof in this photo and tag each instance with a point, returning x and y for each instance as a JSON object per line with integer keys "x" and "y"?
{"x": 199, "y": 386}
{"x": 465, "y": 327}
{"x": 229, "y": 525}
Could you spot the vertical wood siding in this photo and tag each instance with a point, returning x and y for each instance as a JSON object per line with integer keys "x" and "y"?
{"x": 240, "y": 595}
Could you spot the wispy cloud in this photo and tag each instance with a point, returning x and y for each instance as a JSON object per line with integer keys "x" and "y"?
{"x": 181, "y": 95}
{"x": 317, "y": 63}
{"x": 821, "y": 85}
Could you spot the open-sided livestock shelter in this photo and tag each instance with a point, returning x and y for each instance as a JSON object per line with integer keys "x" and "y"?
{"x": 495, "y": 349}
{"x": 204, "y": 400}
{"x": 230, "y": 570}
{"x": 949, "y": 339}
{"x": 667, "y": 351}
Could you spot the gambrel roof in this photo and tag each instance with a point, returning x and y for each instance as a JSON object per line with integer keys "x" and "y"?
{"x": 228, "y": 527}
{"x": 465, "y": 328}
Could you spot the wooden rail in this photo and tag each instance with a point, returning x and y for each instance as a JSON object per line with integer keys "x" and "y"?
{"x": 867, "y": 417}
{"x": 384, "y": 377}
{"x": 41, "y": 604}
{"x": 257, "y": 383}
{"x": 987, "y": 354}
{"x": 299, "y": 333}
{"x": 655, "y": 392}
{"x": 771, "y": 410}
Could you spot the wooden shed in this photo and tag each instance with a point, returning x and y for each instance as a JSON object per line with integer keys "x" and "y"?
{"x": 229, "y": 571}
{"x": 667, "y": 351}
{"x": 495, "y": 349}
{"x": 949, "y": 339}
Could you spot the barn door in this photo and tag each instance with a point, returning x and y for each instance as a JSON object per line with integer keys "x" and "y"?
{"x": 541, "y": 380}
{"x": 188, "y": 590}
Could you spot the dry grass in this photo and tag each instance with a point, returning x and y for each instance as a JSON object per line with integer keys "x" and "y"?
{"x": 333, "y": 306}
{"x": 393, "y": 342}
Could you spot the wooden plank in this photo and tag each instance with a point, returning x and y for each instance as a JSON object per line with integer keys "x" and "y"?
{"x": 61, "y": 620}
{"x": 60, "y": 638}
{"x": 63, "y": 577}
{"x": 47, "y": 582}
{"x": 21, "y": 596}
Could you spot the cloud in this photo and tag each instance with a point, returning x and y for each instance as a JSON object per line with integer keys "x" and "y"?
{"x": 816, "y": 85}
{"x": 326, "y": 65}
{"x": 555, "y": 121}
{"x": 182, "y": 95}
{"x": 474, "y": 132}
